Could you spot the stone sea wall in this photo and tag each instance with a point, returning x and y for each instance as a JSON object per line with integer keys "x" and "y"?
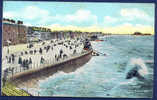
{"x": 31, "y": 77}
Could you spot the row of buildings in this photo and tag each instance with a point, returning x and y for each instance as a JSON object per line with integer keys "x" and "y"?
{"x": 17, "y": 33}
{"x": 13, "y": 32}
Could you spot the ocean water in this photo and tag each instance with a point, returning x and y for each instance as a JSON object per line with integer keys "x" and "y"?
{"x": 105, "y": 76}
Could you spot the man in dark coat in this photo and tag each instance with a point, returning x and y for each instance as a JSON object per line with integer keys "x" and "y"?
{"x": 20, "y": 60}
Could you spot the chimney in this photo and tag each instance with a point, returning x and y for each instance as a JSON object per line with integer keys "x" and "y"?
{"x": 6, "y": 20}
{"x": 19, "y": 22}
{"x": 12, "y": 21}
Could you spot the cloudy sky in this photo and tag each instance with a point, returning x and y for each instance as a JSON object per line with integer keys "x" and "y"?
{"x": 106, "y": 17}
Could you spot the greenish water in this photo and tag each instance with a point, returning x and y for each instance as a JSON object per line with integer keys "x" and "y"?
{"x": 105, "y": 76}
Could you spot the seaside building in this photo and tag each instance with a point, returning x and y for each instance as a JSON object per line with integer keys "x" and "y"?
{"x": 16, "y": 33}
{"x": 13, "y": 33}
{"x": 69, "y": 34}
{"x": 38, "y": 33}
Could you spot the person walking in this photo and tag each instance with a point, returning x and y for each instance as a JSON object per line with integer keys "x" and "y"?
{"x": 20, "y": 60}
{"x": 41, "y": 60}
{"x": 40, "y": 51}
{"x": 30, "y": 61}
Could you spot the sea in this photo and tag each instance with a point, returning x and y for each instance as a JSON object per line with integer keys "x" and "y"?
{"x": 105, "y": 75}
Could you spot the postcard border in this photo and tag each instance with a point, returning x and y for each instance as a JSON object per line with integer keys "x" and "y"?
{"x": 76, "y": 98}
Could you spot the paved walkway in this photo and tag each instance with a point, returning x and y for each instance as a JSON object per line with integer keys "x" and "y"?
{"x": 49, "y": 57}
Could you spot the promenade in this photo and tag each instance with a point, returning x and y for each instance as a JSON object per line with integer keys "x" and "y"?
{"x": 21, "y": 58}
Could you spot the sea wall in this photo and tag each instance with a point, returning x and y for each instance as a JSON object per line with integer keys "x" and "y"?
{"x": 30, "y": 78}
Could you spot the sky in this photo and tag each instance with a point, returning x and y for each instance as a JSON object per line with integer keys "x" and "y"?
{"x": 118, "y": 18}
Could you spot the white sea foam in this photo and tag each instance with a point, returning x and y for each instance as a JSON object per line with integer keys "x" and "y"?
{"x": 61, "y": 73}
{"x": 143, "y": 68}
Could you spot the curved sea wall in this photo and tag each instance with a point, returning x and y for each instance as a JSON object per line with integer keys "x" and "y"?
{"x": 31, "y": 77}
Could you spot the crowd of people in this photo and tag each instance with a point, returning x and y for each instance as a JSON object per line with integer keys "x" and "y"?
{"x": 50, "y": 51}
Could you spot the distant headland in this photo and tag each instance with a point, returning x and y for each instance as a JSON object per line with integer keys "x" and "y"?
{"x": 139, "y": 33}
